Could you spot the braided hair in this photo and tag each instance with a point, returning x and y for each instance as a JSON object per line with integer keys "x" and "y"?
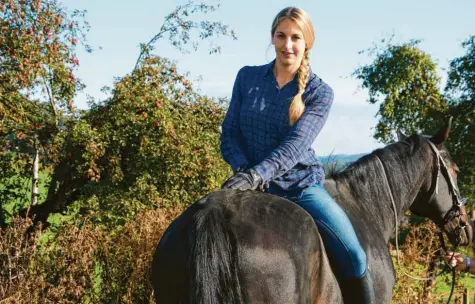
{"x": 301, "y": 18}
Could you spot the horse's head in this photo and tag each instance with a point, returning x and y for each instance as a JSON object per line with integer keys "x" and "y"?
{"x": 439, "y": 198}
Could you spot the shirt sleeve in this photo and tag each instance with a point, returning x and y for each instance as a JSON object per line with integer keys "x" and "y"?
{"x": 231, "y": 136}
{"x": 301, "y": 135}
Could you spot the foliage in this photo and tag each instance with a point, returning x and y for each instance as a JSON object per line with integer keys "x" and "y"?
{"x": 37, "y": 52}
{"x": 180, "y": 26}
{"x": 132, "y": 248}
{"x": 80, "y": 263}
{"x": 125, "y": 152}
{"x": 38, "y": 40}
{"x": 403, "y": 79}
{"x": 15, "y": 192}
{"x": 420, "y": 256}
{"x": 460, "y": 91}
{"x": 154, "y": 140}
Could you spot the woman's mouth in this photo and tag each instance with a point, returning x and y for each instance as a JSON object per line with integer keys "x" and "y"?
{"x": 287, "y": 54}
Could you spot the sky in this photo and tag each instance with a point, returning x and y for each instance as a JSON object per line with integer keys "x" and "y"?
{"x": 343, "y": 28}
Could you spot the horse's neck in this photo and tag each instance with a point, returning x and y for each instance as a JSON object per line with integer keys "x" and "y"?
{"x": 372, "y": 186}
{"x": 400, "y": 195}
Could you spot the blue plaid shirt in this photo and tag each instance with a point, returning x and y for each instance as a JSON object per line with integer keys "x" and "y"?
{"x": 256, "y": 131}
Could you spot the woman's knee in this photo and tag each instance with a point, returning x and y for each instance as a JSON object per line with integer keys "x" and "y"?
{"x": 338, "y": 227}
{"x": 359, "y": 260}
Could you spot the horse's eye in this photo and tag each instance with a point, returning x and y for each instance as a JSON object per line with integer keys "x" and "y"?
{"x": 453, "y": 172}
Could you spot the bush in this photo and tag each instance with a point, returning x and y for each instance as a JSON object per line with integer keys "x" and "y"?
{"x": 80, "y": 263}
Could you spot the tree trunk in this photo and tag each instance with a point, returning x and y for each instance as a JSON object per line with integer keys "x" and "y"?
{"x": 34, "y": 184}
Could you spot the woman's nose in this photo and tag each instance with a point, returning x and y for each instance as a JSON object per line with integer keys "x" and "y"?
{"x": 288, "y": 43}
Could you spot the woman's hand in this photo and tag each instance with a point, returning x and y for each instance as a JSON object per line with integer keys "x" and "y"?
{"x": 459, "y": 261}
{"x": 249, "y": 180}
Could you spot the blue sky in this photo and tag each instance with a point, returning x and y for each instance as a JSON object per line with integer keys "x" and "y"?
{"x": 342, "y": 29}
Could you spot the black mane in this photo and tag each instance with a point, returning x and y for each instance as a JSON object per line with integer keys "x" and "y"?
{"x": 399, "y": 158}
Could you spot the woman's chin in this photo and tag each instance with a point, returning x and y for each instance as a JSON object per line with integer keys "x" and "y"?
{"x": 287, "y": 61}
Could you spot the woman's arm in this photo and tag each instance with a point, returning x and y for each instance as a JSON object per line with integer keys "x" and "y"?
{"x": 231, "y": 137}
{"x": 301, "y": 136}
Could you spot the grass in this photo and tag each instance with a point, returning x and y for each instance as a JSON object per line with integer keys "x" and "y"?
{"x": 441, "y": 291}
{"x": 443, "y": 283}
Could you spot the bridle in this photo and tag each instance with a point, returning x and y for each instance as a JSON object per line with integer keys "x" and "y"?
{"x": 454, "y": 211}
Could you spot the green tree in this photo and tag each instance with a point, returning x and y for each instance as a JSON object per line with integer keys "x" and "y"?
{"x": 404, "y": 81}
{"x": 460, "y": 93}
{"x": 38, "y": 40}
{"x": 181, "y": 26}
{"x": 153, "y": 139}
{"x": 80, "y": 162}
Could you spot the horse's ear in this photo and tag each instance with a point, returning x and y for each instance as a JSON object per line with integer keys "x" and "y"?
{"x": 400, "y": 135}
{"x": 443, "y": 133}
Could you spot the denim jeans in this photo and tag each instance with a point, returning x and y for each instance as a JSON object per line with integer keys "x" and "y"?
{"x": 334, "y": 226}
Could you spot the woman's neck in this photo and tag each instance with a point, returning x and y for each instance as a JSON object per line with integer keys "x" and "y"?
{"x": 284, "y": 73}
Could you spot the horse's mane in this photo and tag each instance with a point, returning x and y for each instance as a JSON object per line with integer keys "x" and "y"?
{"x": 364, "y": 176}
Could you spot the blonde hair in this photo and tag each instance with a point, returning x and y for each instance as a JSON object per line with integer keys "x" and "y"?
{"x": 301, "y": 18}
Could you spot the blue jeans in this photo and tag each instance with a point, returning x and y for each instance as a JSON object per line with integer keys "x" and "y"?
{"x": 334, "y": 226}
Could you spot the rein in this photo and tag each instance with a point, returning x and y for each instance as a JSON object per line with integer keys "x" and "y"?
{"x": 457, "y": 203}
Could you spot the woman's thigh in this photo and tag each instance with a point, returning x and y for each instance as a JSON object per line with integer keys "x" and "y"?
{"x": 335, "y": 228}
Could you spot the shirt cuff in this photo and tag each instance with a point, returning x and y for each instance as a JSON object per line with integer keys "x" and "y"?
{"x": 264, "y": 172}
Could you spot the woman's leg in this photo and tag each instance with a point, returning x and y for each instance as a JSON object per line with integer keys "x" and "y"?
{"x": 340, "y": 240}
{"x": 336, "y": 229}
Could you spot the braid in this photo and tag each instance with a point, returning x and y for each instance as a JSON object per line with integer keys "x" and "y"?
{"x": 297, "y": 106}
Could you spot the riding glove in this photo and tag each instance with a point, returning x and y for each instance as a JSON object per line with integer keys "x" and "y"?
{"x": 249, "y": 180}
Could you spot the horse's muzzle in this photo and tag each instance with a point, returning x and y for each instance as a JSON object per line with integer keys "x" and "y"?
{"x": 460, "y": 231}
{"x": 469, "y": 228}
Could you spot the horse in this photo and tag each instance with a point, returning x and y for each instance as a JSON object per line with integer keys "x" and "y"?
{"x": 236, "y": 246}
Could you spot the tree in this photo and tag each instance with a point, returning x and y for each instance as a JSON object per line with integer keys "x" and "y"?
{"x": 37, "y": 83}
{"x": 460, "y": 93}
{"x": 37, "y": 44}
{"x": 147, "y": 133}
{"x": 403, "y": 79}
{"x": 153, "y": 141}
{"x": 180, "y": 27}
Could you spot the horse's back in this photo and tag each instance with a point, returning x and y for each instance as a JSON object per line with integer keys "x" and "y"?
{"x": 272, "y": 253}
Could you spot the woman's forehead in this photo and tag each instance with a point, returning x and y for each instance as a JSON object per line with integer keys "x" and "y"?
{"x": 288, "y": 26}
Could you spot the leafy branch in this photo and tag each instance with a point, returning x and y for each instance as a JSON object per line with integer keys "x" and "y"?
{"x": 179, "y": 27}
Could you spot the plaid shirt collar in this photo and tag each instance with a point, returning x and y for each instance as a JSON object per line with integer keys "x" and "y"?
{"x": 269, "y": 70}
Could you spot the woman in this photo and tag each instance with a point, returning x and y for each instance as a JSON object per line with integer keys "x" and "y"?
{"x": 275, "y": 114}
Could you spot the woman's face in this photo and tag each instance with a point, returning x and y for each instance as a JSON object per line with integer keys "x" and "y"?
{"x": 289, "y": 43}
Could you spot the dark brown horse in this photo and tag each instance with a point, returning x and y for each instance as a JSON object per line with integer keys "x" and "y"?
{"x": 252, "y": 247}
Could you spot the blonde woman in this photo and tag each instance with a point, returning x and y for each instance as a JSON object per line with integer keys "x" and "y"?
{"x": 275, "y": 114}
